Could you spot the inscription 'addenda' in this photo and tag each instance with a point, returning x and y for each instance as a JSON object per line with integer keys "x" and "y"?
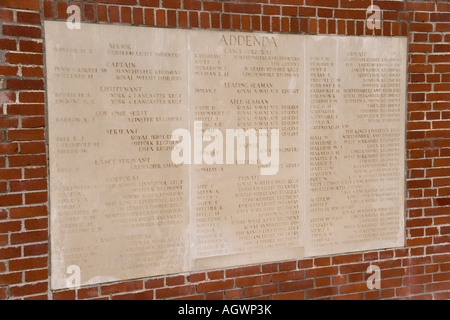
{"x": 249, "y": 41}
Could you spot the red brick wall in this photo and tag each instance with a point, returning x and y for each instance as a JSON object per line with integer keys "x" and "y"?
{"x": 419, "y": 271}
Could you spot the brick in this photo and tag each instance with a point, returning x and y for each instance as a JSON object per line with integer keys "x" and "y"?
{"x": 144, "y": 295}
{"x": 38, "y": 249}
{"x": 138, "y": 16}
{"x": 28, "y": 17}
{"x": 440, "y": 16}
{"x": 36, "y": 224}
{"x": 242, "y": 271}
{"x": 160, "y": 17}
{"x": 322, "y": 261}
{"x": 89, "y": 12}
{"x": 242, "y": 7}
{"x": 442, "y": 295}
{"x": 214, "y": 275}
{"x": 271, "y": 10}
{"x": 122, "y": 2}
{"x": 114, "y": 14}
{"x": 440, "y": 286}
{"x": 154, "y": 283}
{"x": 24, "y": 84}
{"x": 349, "y": 14}
{"x": 64, "y": 295}
{"x": 22, "y": 31}
{"x": 321, "y": 292}
{"x": 27, "y": 263}
{"x": 347, "y": 259}
{"x": 31, "y": 97}
{"x": 233, "y": 294}
{"x": 10, "y": 252}
{"x": 215, "y": 285}
{"x": 289, "y": 296}
{"x": 192, "y": 4}
{"x": 6, "y": 15}
{"x": 87, "y": 293}
{"x": 22, "y": 4}
{"x": 26, "y": 134}
{"x": 33, "y": 122}
{"x": 438, "y": 249}
{"x": 297, "y": 285}
{"x": 269, "y": 288}
{"x": 32, "y": 72}
{"x": 102, "y": 13}
{"x": 215, "y": 20}
{"x": 443, "y": 276}
{"x": 9, "y": 148}
{"x": 122, "y": 287}
{"x": 289, "y": 275}
{"x": 213, "y": 6}
{"x": 196, "y": 277}
{"x": 236, "y": 22}
{"x": 246, "y": 22}
{"x": 420, "y": 279}
{"x": 214, "y": 296}
{"x": 175, "y": 280}
{"x": 172, "y": 18}
{"x": 29, "y": 237}
{"x": 353, "y": 288}
{"x": 27, "y": 160}
{"x": 265, "y": 23}
{"x": 36, "y": 275}
{"x": 49, "y": 9}
{"x": 7, "y": 96}
{"x": 7, "y": 44}
{"x": 149, "y": 3}
{"x": 28, "y": 289}
{"x": 391, "y": 283}
{"x": 420, "y": 6}
{"x": 437, "y": 211}
{"x": 10, "y": 278}
{"x": 10, "y": 174}
{"x": 175, "y": 291}
{"x": 32, "y": 147}
{"x": 252, "y": 280}
{"x": 9, "y": 71}
{"x": 26, "y": 109}
{"x": 7, "y": 200}
{"x": 289, "y": 11}
{"x": 288, "y": 266}
{"x": 10, "y": 226}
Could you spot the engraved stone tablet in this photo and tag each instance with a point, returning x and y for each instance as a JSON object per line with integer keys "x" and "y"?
{"x": 355, "y": 98}
{"x": 246, "y": 213}
{"x": 119, "y": 206}
{"x": 179, "y": 150}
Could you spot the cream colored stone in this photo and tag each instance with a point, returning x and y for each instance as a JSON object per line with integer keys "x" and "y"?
{"x": 355, "y": 93}
{"x": 119, "y": 206}
{"x": 240, "y": 216}
{"x": 121, "y": 209}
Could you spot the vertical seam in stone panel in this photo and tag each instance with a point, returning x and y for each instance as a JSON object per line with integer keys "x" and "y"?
{"x": 305, "y": 132}
{"x": 191, "y": 216}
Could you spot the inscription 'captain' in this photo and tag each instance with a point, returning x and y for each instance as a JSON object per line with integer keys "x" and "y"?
{"x": 249, "y": 41}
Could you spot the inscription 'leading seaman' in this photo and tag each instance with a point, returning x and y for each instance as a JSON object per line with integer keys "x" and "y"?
{"x": 248, "y": 41}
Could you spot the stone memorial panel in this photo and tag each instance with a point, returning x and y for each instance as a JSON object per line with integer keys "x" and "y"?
{"x": 178, "y": 150}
